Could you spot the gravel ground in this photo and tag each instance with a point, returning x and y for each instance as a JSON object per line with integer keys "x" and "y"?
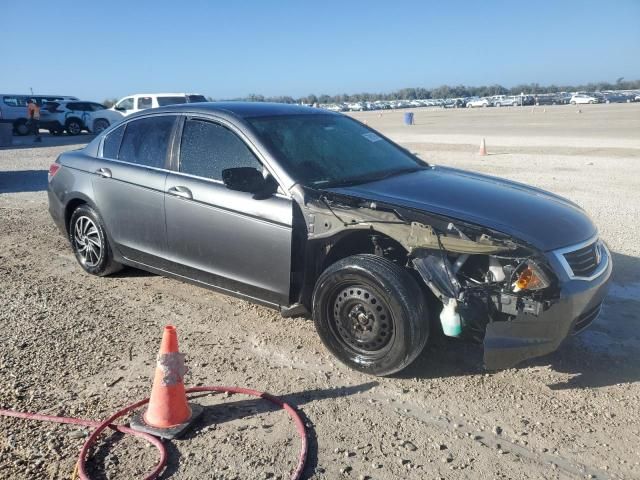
{"x": 82, "y": 346}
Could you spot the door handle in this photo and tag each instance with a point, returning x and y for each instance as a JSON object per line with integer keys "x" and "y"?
{"x": 103, "y": 172}
{"x": 182, "y": 192}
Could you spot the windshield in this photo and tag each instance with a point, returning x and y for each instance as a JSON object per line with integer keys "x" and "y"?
{"x": 331, "y": 150}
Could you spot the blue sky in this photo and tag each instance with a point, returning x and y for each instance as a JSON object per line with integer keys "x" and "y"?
{"x": 227, "y": 49}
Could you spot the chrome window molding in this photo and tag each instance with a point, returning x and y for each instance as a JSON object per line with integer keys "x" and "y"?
{"x": 605, "y": 257}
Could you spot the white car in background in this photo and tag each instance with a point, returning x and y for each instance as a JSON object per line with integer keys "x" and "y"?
{"x": 136, "y": 103}
{"x": 479, "y": 102}
{"x": 583, "y": 98}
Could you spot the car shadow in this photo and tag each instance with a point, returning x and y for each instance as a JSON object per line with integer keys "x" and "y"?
{"x": 23, "y": 181}
{"x": 228, "y": 411}
{"x": 603, "y": 355}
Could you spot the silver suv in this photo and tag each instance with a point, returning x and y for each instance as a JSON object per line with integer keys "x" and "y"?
{"x": 70, "y": 116}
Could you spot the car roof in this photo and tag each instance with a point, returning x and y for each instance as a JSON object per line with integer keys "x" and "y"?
{"x": 245, "y": 109}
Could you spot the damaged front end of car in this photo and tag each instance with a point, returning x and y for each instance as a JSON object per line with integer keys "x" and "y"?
{"x": 493, "y": 287}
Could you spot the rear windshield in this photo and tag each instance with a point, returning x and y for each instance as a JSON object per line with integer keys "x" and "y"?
{"x": 164, "y": 101}
{"x": 196, "y": 98}
{"x": 330, "y": 150}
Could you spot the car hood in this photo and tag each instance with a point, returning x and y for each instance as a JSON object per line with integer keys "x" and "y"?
{"x": 542, "y": 219}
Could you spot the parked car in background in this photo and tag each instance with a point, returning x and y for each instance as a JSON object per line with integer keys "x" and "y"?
{"x": 136, "y": 103}
{"x": 67, "y": 115}
{"x": 479, "y": 102}
{"x": 551, "y": 99}
{"x": 583, "y": 98}
{"x": 143, "y": 101}
{"x": 505, "y": 100}
{"x": 13, "y": 109}
{"x": 454, "y": 103}
{"x": 349, "y": 228}
{"x": 100, "y": 120}
{"x": 616, "y": 97}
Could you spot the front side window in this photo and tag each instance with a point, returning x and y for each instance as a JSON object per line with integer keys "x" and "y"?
{"x": 146, "y": 141}
{"x": 125, "y": 104}
{"x": 329, "y": 150}
{"x": 208, "y": 148}
{"x": 144, "y": 102}
{"x": 111, "y": 143}
{"x": 164, "y": 101}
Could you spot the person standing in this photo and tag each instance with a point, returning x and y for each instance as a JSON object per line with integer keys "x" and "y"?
{"x": 33, "y": 114}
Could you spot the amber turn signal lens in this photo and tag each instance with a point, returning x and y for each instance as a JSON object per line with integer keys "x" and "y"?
{"x": 531, "y": 278}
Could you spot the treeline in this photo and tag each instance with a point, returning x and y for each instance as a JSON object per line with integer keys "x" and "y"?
{"x": 447, "y": 91}
{"x": 444, "y": 91}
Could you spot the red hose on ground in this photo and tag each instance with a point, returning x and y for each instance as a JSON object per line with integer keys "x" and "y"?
{"x": 108, "y": 423}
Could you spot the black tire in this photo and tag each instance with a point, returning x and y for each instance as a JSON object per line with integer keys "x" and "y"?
{"x": 86, "y": 234}
{"x": 100, "y": 125}
{"x": 74, "y": 126}
{"x": 21, "y": 128}
{"x": 371, "y": 314}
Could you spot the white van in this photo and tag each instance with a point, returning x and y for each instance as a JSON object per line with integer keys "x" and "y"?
{"x": 13, "y": 109}
{"x": 142, "y": 101}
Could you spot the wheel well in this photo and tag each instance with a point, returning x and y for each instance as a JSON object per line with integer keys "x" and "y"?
{"x": 319, "y": 254}
{"x": 70, "y": 208}
{"x": 365, "y": 241}
{"x": 70, "y": 119}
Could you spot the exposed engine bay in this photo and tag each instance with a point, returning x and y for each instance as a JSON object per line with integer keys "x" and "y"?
{"x": 480, "y": 276}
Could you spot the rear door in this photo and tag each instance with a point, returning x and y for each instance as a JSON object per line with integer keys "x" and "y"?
{"x": 129, "y": 187}
{"x": 226, "y": 238}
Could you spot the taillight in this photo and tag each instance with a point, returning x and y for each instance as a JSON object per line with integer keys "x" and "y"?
{"x": 53, "y": 169}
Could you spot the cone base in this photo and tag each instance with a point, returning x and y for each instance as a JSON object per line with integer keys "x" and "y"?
{"x": 138, "y": 423}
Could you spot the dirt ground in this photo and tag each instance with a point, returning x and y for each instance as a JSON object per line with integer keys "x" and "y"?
{"x": 82, "y": 346}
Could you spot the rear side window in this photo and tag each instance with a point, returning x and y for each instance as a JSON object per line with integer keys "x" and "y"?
{"x": 163, "y": 101}
{"x": 144, "y": 102}
{"x": 146, "y": 141}
{"x": 15, "y": 101}
{"x": 208, "y": 148}
{"x": 111, "y": 143}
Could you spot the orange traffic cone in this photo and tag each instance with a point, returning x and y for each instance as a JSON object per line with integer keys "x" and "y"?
{"x": 483, "y": 148}
{"x": 168, "y": 413}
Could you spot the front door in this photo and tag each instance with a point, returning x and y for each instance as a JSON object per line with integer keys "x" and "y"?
{"x": 222, "y": 237}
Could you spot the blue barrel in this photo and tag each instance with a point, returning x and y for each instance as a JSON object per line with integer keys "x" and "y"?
{"x": 408, "y": 118}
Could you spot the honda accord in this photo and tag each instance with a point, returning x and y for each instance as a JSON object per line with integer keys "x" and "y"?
{"x": 314, "y": 213}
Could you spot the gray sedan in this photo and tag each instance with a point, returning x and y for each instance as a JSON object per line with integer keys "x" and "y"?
{"x": 314, "y": 213}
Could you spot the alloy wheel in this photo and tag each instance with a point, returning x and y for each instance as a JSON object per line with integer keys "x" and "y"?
{"x": 87, "y": 241}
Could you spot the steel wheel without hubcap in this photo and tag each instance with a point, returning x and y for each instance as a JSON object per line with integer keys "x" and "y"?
{"x": 362, "y": 322}
{"x": 370, "y": 313}
{"x": 87, "y": 242}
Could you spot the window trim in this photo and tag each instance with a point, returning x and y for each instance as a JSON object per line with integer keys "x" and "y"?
{"x": 125, "y": 124}
{"x": 175, "y": 164}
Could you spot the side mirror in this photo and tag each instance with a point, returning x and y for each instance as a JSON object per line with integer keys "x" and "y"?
{"x": 120, "y": 109}
{"x": 249, "y": 179}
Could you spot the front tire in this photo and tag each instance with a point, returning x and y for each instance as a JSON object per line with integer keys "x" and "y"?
{"x": 89, "y": 242}
{"x": 371, "y": 314}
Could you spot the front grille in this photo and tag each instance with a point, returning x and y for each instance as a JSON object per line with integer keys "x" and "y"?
{"x": 587, "y": 318}
{"x": 584, "y": 261}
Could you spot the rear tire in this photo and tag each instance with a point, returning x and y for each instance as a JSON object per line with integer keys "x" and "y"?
{"x": 371, "y": 314}
{"x": 100, "y": 125}
{"x": 89, "y": 242}
{"x": 21, "y": 128}
{"x": 74, "y": 127}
